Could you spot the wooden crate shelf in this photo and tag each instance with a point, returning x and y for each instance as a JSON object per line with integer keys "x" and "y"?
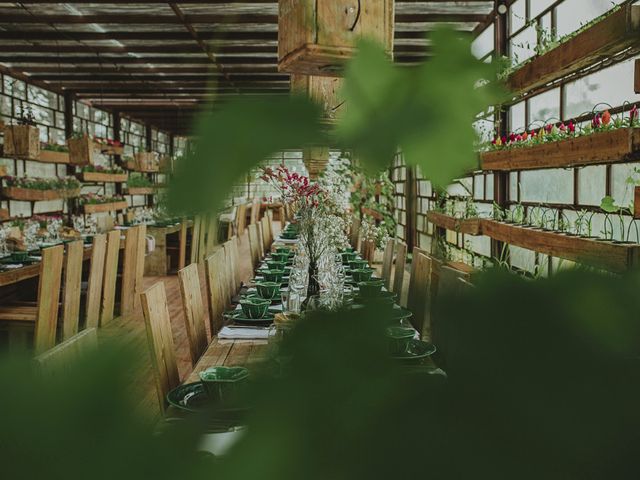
{"x": 612, "y": 146}
{"x": 82, "y": 150}
{"x": 101, "y": 177}
{"x": 611, "y": 256}
{"x": 33, "y": 195}
{"x": 4, "y": 214}
{"x": 133, "y": 166}
{"x": 141, "y": 191}
{"x": 3, "y": 171}
{"x": 469, "y": 226}
{"x": 610, "y": 36}
{"x": 104, "y": 207}
{"x": 636, "y": 203}
{"x": 50, "y": 156}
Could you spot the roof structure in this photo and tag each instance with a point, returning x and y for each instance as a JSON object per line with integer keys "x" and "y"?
{"x": 157, "y": 61}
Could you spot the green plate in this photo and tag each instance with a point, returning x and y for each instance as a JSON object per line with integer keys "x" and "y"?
{"x": 417, "y": 350}
{"x": 239, "y": 317}
{"x": 192, "y": 397}
{"x": 27, "y": 261}
{"x": 381, "y": 297}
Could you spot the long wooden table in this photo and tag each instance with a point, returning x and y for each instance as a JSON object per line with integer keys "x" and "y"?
{"x": 156, "y": 262}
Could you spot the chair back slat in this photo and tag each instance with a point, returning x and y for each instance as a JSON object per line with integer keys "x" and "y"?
{"x": 110, "y": 276}
{"x": 261, "y": 243}
{"x": 255, "y": 210}
{"x": 401, "y": 261}
{"x": 202, "y": 238}
{"x": 72, "y": 288}
{"x": 160, "y": 339}
{"x": 387, "y": 262}
{"x": 195, "y": 239}
{"x": 215, "y": 275}
{"x": 57, "y": 361}
{"x": 230, "y": 262}
{"x": 264, "y": 229}
{"x": 140, "y": 259}
{"x": 194, "y": 311}
{"x": 129, "y": 269}
{"x": 48, "y": 298}
{"x": 235, "y": 257}
{"x": 253, "y": 245}
{"x": 212, "y": 235}
{"x": 94, "y": 284}
{"x": 242, "y": 218}
{"x": 182, "y": 254}
{"x": 418, "y": 299}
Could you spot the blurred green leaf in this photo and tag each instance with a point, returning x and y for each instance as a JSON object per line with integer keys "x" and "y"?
{"x": 608, "y": 204}
{"x": 235, "y": 137}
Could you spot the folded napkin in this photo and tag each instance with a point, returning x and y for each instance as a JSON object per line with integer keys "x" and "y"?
{"x": 239, "y": 333}
{"x": 12, "y": 266}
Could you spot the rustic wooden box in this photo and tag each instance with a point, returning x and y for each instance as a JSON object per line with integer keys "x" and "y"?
{"x": 21, "y": 141}
{"x": 469, "y": 226}
{"x": 141, "y": 191}
{"x": 636, "y": 203}
{"x": 316, "y": 38}
{"x": 104, "y": 207}
{"x": 611, "y": 256}
{"x": 601, "y": 147}
{"x": 100, "y": 177}
{"x": 81, "y": 151}
{"x": 325, "y": 91}
{"x": 316, "y": 160}
{"x": 146, "y": 162}
{"x": 604, "y": 39}
{"x": 50, "y": 156}
{"x": 33, "y": 195}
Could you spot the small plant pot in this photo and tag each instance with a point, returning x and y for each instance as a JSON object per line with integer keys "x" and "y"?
{"x": 370, "y": 288}
{"x": 255, "y": 307}
{"x": 223, "y": 383}
{"x": 280, "y": 257}
{"x": 268, "y": 290}
{"x": 399, "y": 338}
{"x": 362, "y": 274}
{"x": 358, "y": 264}
{"x": 274, "y": 265}
{"x": 273, "y": 275}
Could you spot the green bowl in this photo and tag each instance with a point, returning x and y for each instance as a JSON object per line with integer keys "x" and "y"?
{"x": 289, "y": 235}
{"x": 362, "y": 274}
{"x": 383, "y": 299}
{"x": 280, "y": 257}
{"x": 268, "y": 290}
{"x": 371, "y": 288}
{"x": 358, "y": 264}
{"x": 19, "y": 256}
{"x": 286, "y": 250}
{"x": 221, "y": 382}
{"x": 348, "y": 257}
{"x": 273, "y": 275}
{"x": 255, "y": 307}
{"x": 275, "y": 265}
{"x": 348, "y": 250}
{"x": 399, "y": 338}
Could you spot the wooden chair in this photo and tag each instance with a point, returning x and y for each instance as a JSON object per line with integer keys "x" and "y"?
{"x": 212, "y": 235}
{"x": 94, "y": 284}
{"x": 110, "y": 277}
{"x": 418, "y": 300}
{"x": 72, "y": 287}
{"x": 261, "y": 243}
{"x": 269, "y": 223}
{"x": 202, "y": 238}
{"x": 387, "y": 262}
{"x": 254, "y": 246}
{"x": 230, "y": 255}
{"x": 195, "y": 238}
{"x": 264, "y": 228}
{"x": 160, "y": 339}
{"x": 215, "y": 276}
{"x": 44, "y": 315}
{"x": 130, "y": 267}
{"x": 237, "y": 263}
{"x": 355, "y": 232}
{"x": 182, "y": 253}
{"x": 57, "y": 361}
{"x": 255, "y": 211}
{"x": 194, "y": 311}
{"x": 140, "y": 259}
{"x": 401, "y": 261}
{"x": 241, "y": 222}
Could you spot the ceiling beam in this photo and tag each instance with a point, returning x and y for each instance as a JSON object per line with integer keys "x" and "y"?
{"x": 158, "y": 69}
{"x": 242, "y": 18}
{"x": 155, "y": 78}
{"x": 134, "y": 60}
{"x": 173, "y": 48}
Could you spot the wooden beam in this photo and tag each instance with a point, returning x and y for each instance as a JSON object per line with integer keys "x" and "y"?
{"x": 172, "y": 48}
{"x": 125, "y": 77}
{"x": 158, "y": 69}
{"x": 134, "y": 60}
{"x": 637, "y": 77}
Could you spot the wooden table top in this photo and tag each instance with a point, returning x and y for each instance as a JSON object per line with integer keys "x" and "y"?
{"x": 230, "y": 353}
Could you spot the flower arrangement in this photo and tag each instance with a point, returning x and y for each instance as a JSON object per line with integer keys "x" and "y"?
{"x": 95, "y": 199}
{"x": 296, "y": 190}
{"x": 35, "y": 183}
{"x": 601, "y": 122}
{"x": 98, "y": 140}
{"x": 139, "y": 181}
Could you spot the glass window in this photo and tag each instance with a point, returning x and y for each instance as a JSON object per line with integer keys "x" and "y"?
{"x": 522, "y": 46}
{"x": 517, "y": 15}
{"x": 547, "y": 186}
{"x": 573, "y": 14}
{"x": 536, "y": 7}
{"x": 484, "y": 43}
{"x": 592, "y": 183}
{"x": 545, "y": 106}
{"x": 517, "y": 120}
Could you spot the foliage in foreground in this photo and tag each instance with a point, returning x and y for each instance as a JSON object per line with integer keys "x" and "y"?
{"x": 542, "y": 384}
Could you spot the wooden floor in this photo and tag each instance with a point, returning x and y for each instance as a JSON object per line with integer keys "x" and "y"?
{"x": 130, "y": 333}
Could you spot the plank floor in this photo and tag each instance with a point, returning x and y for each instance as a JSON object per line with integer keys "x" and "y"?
{"x": 130, "y": 333}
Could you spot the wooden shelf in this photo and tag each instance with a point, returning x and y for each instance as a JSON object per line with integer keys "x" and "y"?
{"x": 102, "y": 177}
{"x": 610, "y": 36}
{"x": 636, "y": 203}
{"x": 469, "y": 226}
{"x": 104, "y": 207}
{"x": 135, "y": 167}
{"x": 33, "y": 195}
{"x": 3, "y": 171}
{"x": 611, "y": 256}
{"x": 4, "y": 214}
{"x": 612, "y": 146}
{"x": 50, "y": 156}
{"x": 142, "y": 191}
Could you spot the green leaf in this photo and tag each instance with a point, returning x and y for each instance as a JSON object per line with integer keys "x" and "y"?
{"x": 608, "y": 205}
{"x": 235, "y": 137}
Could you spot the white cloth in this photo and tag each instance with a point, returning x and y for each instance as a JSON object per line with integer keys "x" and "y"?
{"x": 151, "y": 243}
{"x": 227, "y": 333}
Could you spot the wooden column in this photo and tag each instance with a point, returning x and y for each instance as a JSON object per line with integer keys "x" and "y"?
{"x": 116, "y": 136}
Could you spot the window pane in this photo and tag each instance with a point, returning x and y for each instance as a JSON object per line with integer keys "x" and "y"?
{"x": 573, "y": 14}
{"x": 483, "y": 44}
{"x": 522, "y": 45}
{"x": 545, "y": 106}
{"x": 517, "y": 15}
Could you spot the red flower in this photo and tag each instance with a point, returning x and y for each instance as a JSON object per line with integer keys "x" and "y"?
{"x": 572, "y": 127}
{"x": 606, "y": 117}
{"x": 633, "y": 113}
{"x": 548, "y": 128}
{"x": 597, "y": 121}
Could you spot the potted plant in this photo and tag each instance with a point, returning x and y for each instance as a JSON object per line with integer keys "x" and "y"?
{"x": 34, "y": 189}
{"x": 23, "y": 139}
{"x": 92, "y": 203}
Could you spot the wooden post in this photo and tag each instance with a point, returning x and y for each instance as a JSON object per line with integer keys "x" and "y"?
{"x": 637, "y": 77}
